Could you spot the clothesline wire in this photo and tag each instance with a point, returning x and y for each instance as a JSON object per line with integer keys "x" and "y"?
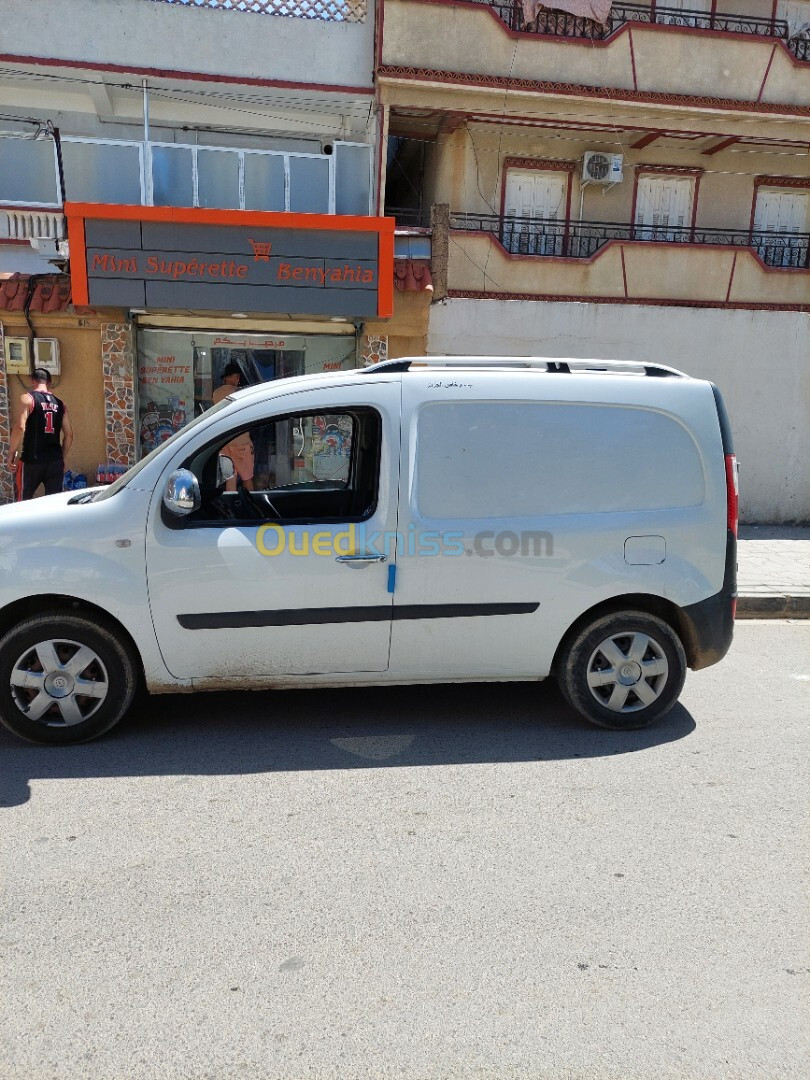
{"x": 179, "y": 94}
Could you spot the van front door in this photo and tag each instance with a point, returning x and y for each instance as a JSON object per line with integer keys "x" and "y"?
{"x": 280, "y": 580}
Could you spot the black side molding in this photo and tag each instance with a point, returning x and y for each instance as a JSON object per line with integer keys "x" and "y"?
{"x": 232, "y": 620}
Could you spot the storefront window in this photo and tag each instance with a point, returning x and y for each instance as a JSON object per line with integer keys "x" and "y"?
{"x": 178, "y": 371}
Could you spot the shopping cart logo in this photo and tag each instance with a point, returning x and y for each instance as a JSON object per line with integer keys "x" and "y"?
{"x": 261, "y": 250}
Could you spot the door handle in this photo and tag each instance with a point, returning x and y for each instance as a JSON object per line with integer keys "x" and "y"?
{"x": 360, "y": 558}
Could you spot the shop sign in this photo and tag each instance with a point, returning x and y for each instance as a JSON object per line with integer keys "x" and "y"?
{"x": 200, "y": 260}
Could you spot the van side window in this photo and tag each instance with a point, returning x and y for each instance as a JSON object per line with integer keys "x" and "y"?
{"x": 303, "y": 468}
{"x": 518, "y": 459}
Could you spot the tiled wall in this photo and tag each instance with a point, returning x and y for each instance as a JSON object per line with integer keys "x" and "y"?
{"x": 6, "y": 475}
{"x": 118, "y": 360}
{"x": 373, "y": 349}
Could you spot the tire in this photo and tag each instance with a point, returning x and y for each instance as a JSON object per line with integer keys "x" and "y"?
{"x": 623, "y": 671}
{"x": 46, "y": 659}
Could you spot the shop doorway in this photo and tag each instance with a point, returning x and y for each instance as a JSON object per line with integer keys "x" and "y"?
{"x": 179, "y": 370}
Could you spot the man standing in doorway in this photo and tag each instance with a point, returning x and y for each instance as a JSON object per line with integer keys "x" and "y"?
{"x": 240, "y": 451}
{"x": 231, "y": 378}
{"x": 46, "y": 435}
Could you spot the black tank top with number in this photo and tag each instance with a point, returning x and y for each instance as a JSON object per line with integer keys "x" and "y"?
{"x": 43, "y": 429}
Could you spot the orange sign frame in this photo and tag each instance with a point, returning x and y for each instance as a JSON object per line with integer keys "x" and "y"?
{"x": 78, "y": 213}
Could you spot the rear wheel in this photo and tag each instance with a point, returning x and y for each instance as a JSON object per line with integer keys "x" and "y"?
{"x": 64, "y": 678}
{"x": 624, "y": 670}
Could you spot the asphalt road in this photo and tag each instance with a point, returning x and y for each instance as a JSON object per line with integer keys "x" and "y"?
{"x": 421, "y": 883}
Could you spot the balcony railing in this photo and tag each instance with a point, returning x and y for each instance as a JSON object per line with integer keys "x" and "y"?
{"x": 178, "y": 174}
{"x": 562, "y": 24}
{"x": 582, "y": 239}
{"x": 408, "y": 217}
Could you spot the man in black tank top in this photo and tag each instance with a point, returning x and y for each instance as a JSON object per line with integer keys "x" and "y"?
{"x": 46, "y": 435}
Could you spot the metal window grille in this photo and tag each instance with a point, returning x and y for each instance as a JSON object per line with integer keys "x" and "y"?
{"x": 350, "y": 11}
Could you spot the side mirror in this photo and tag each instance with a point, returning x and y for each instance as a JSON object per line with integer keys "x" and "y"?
{"x": 182, "y": 493}
{"x": 225, "y": 470}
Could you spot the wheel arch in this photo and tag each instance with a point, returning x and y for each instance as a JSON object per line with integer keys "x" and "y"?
{"x": 28, "y": 606}
{"x": 650, "y": 604}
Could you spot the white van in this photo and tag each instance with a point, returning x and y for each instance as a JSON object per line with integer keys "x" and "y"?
{"x": 424, "y": 520}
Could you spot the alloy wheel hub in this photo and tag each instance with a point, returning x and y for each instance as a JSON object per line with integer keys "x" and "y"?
{"x": 59, "y": 684}
{"x": 629, "y": 673}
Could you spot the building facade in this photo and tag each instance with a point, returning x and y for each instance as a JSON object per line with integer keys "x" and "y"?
{"x": 634, "y": 184}
{"x": 591, "y": 178}
{"x": 185, "y": 185}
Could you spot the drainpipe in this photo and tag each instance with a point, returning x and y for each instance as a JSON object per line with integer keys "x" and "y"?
{"x": 146, "y": 194}
{"x": 145, "y": 111}
{"x": 60, "y": 165}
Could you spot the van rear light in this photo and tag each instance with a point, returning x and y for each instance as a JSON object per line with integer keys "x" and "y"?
{"x": 732, "y": 492}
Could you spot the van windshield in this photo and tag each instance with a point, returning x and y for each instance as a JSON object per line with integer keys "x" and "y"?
{"x": 130, "y": 474}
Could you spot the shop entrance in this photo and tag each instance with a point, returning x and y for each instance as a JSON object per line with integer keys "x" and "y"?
{"x": 178, "y": 371}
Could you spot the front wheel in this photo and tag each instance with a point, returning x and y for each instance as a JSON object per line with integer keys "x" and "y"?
{"x": 64, "y": 678}
{"x": 624, "y": 670}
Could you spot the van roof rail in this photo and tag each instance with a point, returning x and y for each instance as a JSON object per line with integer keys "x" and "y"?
{"x": 549, "y": 365}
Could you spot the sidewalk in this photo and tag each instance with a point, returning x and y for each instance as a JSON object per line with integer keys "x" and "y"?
{"x": 773, "y": 579}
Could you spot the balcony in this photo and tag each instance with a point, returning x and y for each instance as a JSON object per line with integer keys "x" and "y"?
{"x": 518, "y": 258}
{"x": 561, "y": 24}
{"x": 584, "y": 239}
{"x": 295, "y": 42}
{"x": 175, "y": 174}
{"x": 642, "y": 55}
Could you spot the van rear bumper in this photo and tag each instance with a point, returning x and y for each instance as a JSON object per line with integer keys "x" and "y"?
{"x": 708, "y": 626}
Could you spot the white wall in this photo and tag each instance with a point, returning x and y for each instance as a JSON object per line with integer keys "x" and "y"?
{"x": 760, "y": 360}
{"x": 141, "y": 33}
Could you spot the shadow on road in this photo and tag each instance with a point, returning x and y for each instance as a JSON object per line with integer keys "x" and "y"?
{"x": 225, "y": 734}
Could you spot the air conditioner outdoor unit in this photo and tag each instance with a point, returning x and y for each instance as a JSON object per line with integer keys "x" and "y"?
{"x": 46, "y": 354}
{"x": 599, "y": 168}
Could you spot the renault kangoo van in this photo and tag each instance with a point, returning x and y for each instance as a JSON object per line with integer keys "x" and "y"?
{"x": 422, "y": 520}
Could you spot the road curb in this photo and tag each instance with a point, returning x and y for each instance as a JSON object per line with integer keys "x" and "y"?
{"x": 773, "y": 606}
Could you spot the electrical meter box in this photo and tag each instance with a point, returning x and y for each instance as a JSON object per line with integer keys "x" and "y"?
{"x": 18, "y": 355}
{"x": 46, "y": 354}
